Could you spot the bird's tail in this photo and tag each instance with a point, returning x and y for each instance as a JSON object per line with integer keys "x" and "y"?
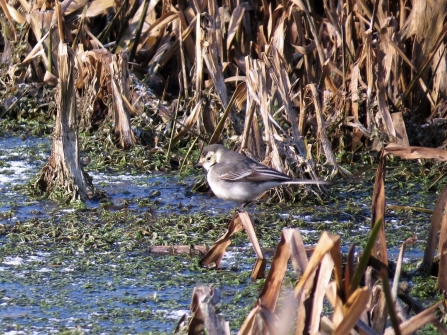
{"x": 307, "y": 181}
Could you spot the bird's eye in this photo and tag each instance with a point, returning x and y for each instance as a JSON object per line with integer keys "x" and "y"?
{"x": 208, "y": 158}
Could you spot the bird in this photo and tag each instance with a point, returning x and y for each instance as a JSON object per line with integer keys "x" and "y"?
{"x": 235, "y": 177}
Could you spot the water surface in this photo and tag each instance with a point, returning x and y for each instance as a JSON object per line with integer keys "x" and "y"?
{"x": 123, "y": 288}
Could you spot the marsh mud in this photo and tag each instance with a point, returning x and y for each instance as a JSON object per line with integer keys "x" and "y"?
{"x": 88, "y": 267}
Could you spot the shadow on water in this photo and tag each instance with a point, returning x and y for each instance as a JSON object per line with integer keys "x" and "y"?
{"x": 47, "y": 288}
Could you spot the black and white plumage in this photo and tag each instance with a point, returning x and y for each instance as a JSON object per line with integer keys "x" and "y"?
{"x": 233, "y": 176}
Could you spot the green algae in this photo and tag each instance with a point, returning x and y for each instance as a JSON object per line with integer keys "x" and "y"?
{"x": 107, "y": 254}
{"x": 92, "y": 268}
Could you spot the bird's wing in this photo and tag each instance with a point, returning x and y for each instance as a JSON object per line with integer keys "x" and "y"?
{"x": 253, "y": 172}
{"x": 264, "y": 173}
{"x": 231, "y": 172}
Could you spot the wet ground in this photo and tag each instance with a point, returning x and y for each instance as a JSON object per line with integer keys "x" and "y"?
{"x": 89, "y": 267}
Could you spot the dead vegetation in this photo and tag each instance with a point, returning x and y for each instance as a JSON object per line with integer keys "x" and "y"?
{"x": 363, "y": 298}
{"x": 290, "y": 83}
{"x": 297, "y": 80}
{"x": 378, "y": 306}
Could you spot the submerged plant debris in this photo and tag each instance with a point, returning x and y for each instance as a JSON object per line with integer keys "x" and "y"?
{"x": 315, "y": 89}
{"x": 90, "y": 266}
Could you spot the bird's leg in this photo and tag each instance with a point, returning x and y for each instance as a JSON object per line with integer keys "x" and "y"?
{"x": 245, "y": 204}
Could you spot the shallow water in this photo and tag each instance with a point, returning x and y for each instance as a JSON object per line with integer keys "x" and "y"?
{"x": 169, "y": 193}
{"x": 112, "y": 291}
{"x": 106, "y": 296}
{"x": 44, "y": 290}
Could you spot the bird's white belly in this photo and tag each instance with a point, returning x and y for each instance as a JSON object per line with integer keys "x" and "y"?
{"x": 238, "y": 191}
{"x": 235, "y": 192}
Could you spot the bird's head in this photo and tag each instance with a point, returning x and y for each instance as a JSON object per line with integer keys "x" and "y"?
{"x": 210, "y": 155}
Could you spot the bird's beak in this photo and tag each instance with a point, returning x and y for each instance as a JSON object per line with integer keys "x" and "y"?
{"x": 198, "y": 164}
